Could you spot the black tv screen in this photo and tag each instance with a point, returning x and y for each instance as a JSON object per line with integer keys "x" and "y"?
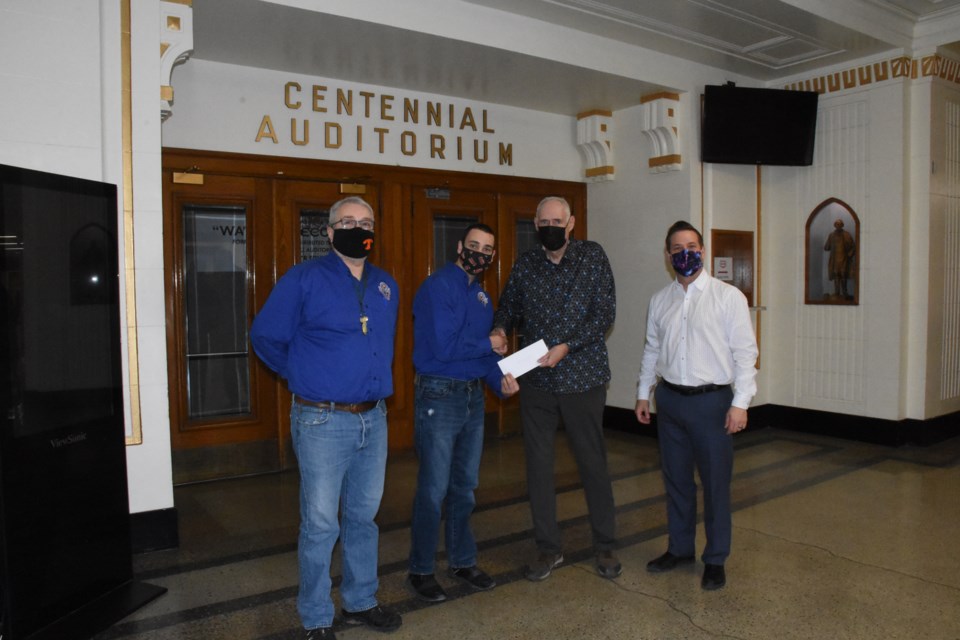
{"x": 742, "y": 125}
{"x": 64, "y": 512}
{"x": 59, "y": 344}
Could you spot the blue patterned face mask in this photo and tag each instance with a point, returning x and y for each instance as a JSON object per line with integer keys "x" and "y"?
{"x": 686, "y": 262}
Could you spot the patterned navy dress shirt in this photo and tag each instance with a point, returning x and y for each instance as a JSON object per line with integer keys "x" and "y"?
{"x": 573, "y": 302}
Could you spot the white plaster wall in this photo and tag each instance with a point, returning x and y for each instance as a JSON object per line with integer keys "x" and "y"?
{"x": 917, "y": 265}
{"x": 60, "y": 113}
{"x": 629, "y": 217}
{"x": 840, "y": 358}
{"x": 781, "y": 241}
{"x": 50, "y": 111}
{"x": 943, "y": 195}
{"x": 149, "y": 466}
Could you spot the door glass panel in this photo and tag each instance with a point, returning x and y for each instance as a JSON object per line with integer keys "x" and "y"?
{"x": 526, "y": 237}
{"x": 314, "y": 242}
{"x": 447, "y": 232}
{"x": 215, "y": 288}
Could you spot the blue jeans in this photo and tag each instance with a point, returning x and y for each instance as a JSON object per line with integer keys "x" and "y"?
{"x": 449, "y": 441}
{"x": 342, "y": 460}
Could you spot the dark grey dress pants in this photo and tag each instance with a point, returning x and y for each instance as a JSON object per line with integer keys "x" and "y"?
{"x": 582, "y": 416}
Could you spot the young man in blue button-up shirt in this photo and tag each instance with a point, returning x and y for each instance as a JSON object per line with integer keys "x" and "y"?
{"x": 453, "y": 353}
{"x": 328, "y": 328}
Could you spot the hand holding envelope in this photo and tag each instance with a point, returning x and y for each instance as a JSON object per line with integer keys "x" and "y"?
{"x": 524, "y": 360}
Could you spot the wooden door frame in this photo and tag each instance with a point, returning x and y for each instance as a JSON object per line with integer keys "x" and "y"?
{"x": 199, "y": 432}
{"x": 395, "y": 229}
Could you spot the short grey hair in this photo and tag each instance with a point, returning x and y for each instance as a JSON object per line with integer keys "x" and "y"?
{"x": 335, "y": 209}
{"x": 562, "y": 201}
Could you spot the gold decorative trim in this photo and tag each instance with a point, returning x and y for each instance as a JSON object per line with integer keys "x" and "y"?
{"x": 595, "y": 112}
{"x": 356, "y": 189}
{"x": 900, "y": 67}
{"x": 661, "y": 161}
{"x": 598, "y": 171}
{"x": 186, "y": 177}
{"x": 662, "y": 95}
{"x": 133, "y": 358}
{"x": 166, "y": 93}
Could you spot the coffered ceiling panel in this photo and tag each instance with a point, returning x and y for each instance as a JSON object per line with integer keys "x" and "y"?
{"x": 766, "y": 40}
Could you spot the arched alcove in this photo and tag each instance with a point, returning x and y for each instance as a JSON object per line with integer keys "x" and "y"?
{"x": 832, "y": 275}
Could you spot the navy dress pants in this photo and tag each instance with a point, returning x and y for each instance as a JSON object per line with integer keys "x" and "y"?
{"x": 692, "y": 435}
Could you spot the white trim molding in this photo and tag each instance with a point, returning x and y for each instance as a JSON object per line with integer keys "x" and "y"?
{"x": 660, "y": 113}
{"x": 594, "y": 140}
{"x": 176, "y": 45}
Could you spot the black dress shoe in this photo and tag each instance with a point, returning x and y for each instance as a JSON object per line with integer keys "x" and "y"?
{"x": 378, "y": 618}
{"x": 426, "y": 588}
{"x": 667, "y": 562}
{"x": 320, "y": 633}
{"x": 714, "y": 577}
{"x": 473, "y": 577}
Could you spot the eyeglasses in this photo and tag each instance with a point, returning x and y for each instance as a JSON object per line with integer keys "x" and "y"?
{"x": 352, "y": 223}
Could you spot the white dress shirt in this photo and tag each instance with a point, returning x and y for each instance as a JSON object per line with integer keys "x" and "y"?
{"x": 700, "y": 336}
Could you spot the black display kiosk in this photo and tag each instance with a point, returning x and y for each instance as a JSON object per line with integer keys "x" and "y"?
{"x": 65, "y": 555}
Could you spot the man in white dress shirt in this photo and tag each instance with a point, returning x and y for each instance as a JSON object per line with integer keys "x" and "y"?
{"x": 700, "y": 344}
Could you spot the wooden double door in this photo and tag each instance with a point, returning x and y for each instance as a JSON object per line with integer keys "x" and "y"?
{"x": 231, "y": 230}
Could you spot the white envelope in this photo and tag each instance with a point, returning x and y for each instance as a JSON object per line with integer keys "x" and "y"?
{"x": 524, "y": 360}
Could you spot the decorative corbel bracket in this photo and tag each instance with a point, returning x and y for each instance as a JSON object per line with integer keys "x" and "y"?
{"x": 594, "y": 130}
{"x": 660, "y": 113}
{"x": 176, "y": 45}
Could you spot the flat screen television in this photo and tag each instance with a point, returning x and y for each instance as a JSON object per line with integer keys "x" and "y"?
{"x": 742, "y": 125}
{"x": 64, "y": 512}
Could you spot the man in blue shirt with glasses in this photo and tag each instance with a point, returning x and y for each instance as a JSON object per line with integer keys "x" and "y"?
{"x": 454, "y": 354}
{"x": 328, "y": 328}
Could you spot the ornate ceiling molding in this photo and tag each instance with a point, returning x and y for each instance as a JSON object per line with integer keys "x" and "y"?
{"x": 901, "y": 67}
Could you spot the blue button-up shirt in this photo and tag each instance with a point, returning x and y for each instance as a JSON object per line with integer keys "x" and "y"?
{"x": 309, "y": 331}
{"x": 451, "y": 328}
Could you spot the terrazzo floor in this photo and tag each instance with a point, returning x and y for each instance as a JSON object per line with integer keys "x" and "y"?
{"x": 832, "y": 539}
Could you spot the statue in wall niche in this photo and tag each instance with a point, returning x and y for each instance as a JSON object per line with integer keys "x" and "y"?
{"x": 842, "y": 249}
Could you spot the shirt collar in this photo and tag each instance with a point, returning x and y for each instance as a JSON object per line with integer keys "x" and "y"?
{"x": 341, "y": 267}
{"x": 452, "y": 267}
{"x": 700, "y": 283}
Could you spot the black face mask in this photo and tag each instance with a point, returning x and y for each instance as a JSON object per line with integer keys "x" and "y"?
{"x": 474, "y": 262}
{"x": 552, "y": 238}
{"x": 353, "y": 243}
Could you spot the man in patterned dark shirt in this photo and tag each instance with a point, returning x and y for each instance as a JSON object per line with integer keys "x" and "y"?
{"x": 564, "y": 294}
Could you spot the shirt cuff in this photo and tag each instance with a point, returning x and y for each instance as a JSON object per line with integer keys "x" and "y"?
{"x": 741, "y": 401}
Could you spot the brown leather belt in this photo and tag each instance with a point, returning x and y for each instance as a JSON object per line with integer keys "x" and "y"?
{"x": 356, "y": 407}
